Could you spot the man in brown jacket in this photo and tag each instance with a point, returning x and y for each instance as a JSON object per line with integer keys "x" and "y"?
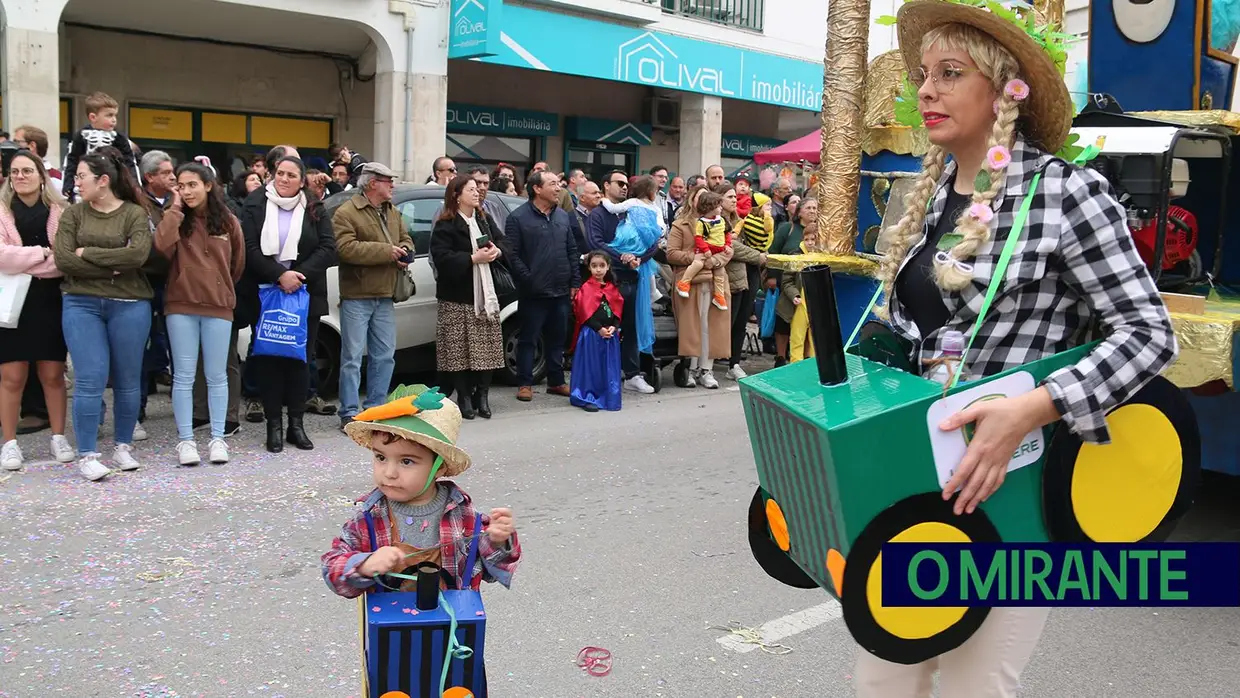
{"x": 374, "y": 247}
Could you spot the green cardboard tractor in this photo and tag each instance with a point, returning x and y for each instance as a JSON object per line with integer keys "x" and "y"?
{"x": 849, "y": 457}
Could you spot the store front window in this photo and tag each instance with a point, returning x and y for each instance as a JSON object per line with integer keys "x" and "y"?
{"x": 597, "y": 159}
{"x": 467, "y": 149}
{"x": 229, "y": 139}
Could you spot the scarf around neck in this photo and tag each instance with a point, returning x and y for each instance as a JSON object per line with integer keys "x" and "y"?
{"x": 270, "y": 239}
{"x": 486, "y": 300}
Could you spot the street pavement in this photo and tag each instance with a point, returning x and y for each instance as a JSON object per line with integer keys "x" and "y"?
{"x": 205, "y": 581}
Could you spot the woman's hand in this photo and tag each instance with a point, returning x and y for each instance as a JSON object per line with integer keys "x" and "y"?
{"x": 176, "y": 200}
{"x": 762, "y": 259}
{"x": 796, "y": 300}
{"x": 290, "y": 281}
{"x": 485, "y": 255}
{"x": 1000, "y": 426}
{"x": 79, "y": 251}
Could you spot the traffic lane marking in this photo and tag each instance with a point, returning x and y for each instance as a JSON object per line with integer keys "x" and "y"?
{"x": 786, "y": 626}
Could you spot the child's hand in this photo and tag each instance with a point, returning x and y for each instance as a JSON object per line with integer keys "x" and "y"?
{"x": 607, "y": 332}
{"x": 389, "y": 558}
{"x": 501, "y": 528}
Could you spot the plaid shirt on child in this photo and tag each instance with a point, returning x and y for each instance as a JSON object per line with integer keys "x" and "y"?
{"x": 353, "y": 546}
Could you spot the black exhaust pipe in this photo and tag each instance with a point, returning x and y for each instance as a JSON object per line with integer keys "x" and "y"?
{"x": 824, "y": 324}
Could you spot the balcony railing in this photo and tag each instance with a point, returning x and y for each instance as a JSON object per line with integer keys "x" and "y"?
{"x": 746, "y": 14}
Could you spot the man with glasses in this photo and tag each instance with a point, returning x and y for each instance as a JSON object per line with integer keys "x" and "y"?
{"x": 600, "y": 232}
{"x": 373, "y": 246}
{"x": 444, "y": 170}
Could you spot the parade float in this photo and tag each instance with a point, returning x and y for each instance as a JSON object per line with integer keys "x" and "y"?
{"x": 846, "y": 446}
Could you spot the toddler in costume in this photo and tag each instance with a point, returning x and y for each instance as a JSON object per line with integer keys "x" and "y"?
{"x": 597, "y": 307}
{"x": 413, "y": 516}
{"x": 757, "y": 228}
{"x": 710, "y": 237}
{"x": 744, "y": 196}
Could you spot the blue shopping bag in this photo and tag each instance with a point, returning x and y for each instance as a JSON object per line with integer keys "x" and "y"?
{"x": 282, "y": 328}
{"x": 768, "y": 312}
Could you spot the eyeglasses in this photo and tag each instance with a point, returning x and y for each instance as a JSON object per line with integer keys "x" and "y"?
{"x": 944, "y": 74}
{"x": 448, "y": 169}
{"x": 620, "y": 182}
{"x": 24, "y": 172}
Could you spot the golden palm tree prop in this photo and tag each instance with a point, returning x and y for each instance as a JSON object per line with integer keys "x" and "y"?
{"x": 843, "y": 114}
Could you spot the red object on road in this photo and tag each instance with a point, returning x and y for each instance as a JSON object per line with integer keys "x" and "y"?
{"x": 595, "y": 660}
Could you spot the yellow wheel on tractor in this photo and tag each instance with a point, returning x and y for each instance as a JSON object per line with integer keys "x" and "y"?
{"x": 1134, "y": 489}
{"x": 909, "y": 635}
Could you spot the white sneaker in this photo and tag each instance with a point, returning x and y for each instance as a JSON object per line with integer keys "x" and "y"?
{"x": 123, "y": 458}
{"x": 11, "y": 456}
{"x": 707, "y": 380}
{"x": 736, "y": 373}
{"x": 62, "y": 450}
{"x": 187, "y": 453}
{"x": 638, "y": 384}
{"x": 218, "y": 451}
{"x": 139, "y": 432}
{"x": 91, "y": 468}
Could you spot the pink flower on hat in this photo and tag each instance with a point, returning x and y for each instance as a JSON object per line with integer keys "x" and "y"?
{"x": 981, "y": 213}
{"x": 998, "y": 157}
{"x": 1016, "y": 89}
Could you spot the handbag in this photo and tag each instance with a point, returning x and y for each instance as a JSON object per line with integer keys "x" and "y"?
{"x": 282, "y": 328}
{"x": 501, "y": 278}
{"x": 13, "y": 289}
{"x": 405, "y": 288}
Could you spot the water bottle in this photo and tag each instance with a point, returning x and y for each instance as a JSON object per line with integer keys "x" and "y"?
{"x": 953, "y": 349}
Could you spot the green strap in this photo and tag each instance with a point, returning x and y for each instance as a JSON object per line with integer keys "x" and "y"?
{"x": 864, "y": 316}
{"x": 1018, "y": 225}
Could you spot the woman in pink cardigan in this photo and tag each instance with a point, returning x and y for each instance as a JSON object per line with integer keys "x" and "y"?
{"x": 30, "y": 209}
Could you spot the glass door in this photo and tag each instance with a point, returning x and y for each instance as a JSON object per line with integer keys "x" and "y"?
{"x": 597, "y": 159}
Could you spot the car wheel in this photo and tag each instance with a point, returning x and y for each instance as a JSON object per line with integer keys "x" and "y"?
{"x": 510, "y": 375}
{"x": 327, "y": 361}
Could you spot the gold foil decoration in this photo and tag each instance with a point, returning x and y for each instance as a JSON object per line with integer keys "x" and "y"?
{"x": 1049, "y": 12}
{"x": 845, "y": 264}
{"x": 1206, "y": 345}
{"x": 900, "y": 140}
{"x": 1206, "y": 119}
{"x": 848, "y": 32}
{"x": 884, "y": 80}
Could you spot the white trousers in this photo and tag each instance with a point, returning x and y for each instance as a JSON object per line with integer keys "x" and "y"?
{"x": 988, "y": 665}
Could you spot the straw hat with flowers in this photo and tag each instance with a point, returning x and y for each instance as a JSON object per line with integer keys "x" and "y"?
{"x": 420, "y": 414}
{"x": 1039, "y": 50}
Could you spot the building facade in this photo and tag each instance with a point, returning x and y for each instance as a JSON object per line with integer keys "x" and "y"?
{"x": 596, "y": 84}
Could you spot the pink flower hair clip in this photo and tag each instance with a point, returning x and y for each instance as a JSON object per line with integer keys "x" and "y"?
{"x": 981, "y": 213}
{"x": 998, "y": 157}
{"x": 1017, "y": 89}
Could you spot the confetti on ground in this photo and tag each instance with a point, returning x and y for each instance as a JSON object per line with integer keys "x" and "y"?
{"x": 180, "y": 564}
{"x": 752, "y": 636}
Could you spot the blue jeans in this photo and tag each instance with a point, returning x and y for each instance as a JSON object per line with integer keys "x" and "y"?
{"x": 630, "y": 357}
{"x": 105, "y": 337}
{"x": 546, "y": 318}
{"x": 156, "y": 356}
{"x": 187, "y": 334}
{"x": 367, "y": 326}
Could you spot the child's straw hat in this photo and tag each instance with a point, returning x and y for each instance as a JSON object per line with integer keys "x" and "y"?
{"x": 422, "y": 415}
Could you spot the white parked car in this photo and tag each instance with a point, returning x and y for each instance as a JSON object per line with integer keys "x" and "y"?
{"x": 415, "y": 318}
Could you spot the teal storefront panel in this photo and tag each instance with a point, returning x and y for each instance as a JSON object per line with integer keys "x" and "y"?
{"x": 578, "y": 128}
{"x": 469, "y": 118}
{"x": 475, "y": 27}
{"x": 739, "y": 146}
{"x": 576, "y": 46}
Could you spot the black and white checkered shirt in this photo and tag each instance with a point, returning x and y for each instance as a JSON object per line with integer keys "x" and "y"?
{"x": 1074, "y": 277}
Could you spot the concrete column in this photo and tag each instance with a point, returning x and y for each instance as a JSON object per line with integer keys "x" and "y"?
{"x": 701, "y": 132}
{"x": 30, "y": 81}
{"x": 426, "y": 127}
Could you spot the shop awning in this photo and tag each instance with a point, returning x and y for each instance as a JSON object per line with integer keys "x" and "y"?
{"x": 807, "y": 148}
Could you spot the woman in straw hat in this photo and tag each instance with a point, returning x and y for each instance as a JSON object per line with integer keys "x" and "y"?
{"x": 413, "y": 516}
{"x": 994, "y": 101}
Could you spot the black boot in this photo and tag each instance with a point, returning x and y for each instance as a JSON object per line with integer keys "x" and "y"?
{"x": 464, "y": 392}
{"x": 483, "y": 381}
{"x": 297, "y": 434}
{"x": 275, "y": 444}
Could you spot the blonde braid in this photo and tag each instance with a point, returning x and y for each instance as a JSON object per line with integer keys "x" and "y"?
{"x": 906, "y": 232}
{"x": 976, "y": 233}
